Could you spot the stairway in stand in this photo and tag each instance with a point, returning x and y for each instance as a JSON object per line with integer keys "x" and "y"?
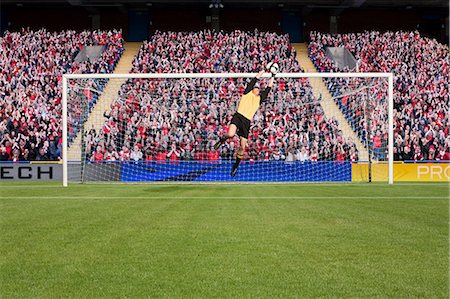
{"x": 110, "y": 92}
{"x": 330, "y": 108}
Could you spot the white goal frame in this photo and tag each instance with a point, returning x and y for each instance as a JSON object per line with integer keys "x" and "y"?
{"x": 389, "y": 76}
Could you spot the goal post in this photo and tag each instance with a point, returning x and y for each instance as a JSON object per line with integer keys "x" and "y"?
{"x": 353, "y": 108}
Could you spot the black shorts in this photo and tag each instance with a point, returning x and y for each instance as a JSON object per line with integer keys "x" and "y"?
{"x": 242, "y": 124}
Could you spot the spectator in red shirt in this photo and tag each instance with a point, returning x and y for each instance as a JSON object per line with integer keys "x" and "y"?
{"x": 98, "y": 155}
{"x": 339, "y": 154}
{"x": 174, "y": 154}
{"x": 417, "y": 154}
{"x": 212, "y": 154}
{"x": 377, "y": 143}
{"x": 443, "y": 155}
{"x": 161, "y": 155}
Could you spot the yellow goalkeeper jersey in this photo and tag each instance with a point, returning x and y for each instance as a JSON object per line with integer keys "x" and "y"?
{"x": 248, "y": 105}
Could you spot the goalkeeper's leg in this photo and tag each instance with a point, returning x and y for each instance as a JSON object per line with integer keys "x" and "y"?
{"x": 239, "y": 156}
{"x": 231, "y": 131}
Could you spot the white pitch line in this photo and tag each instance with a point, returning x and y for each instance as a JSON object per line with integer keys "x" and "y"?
{"x": 205, "y": 184}
{"x": 218, "y": 197}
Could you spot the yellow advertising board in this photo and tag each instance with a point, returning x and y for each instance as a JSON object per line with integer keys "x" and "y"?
{"x": 403, "y": 172}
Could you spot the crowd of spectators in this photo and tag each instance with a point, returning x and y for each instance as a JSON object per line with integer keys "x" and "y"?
{"x": 181, "y": 119}
{"x": 31, "y": 66}
{"x": 421, "y": 90}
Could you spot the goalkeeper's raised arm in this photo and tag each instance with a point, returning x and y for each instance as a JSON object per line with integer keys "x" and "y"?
{"x": 240, "y": 123}
{"x": 255, "y": 82}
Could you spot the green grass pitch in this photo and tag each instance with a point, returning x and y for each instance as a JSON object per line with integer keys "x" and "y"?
{"x": 253, "y": 241}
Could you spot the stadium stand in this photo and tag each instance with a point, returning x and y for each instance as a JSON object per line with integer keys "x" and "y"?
{"x": 30, "y": 90}
{"x": 421, "y": 88}
{"x": 291, "y": 125}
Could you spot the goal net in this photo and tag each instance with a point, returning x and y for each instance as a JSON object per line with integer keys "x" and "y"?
{"x": 162, "y": 128}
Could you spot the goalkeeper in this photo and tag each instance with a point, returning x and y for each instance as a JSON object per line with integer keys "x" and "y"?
{"x": 240, "y": 123}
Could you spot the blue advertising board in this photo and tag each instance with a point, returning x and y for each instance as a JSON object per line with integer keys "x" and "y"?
{"x": 263, "y": 171}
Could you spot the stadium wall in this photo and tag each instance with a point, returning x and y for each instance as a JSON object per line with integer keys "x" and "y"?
{"x": 298, "y": 21}
{"x": 250, "y": 18}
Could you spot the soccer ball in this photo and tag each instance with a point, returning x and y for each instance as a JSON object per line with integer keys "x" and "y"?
{"x": 272, "y": 67}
